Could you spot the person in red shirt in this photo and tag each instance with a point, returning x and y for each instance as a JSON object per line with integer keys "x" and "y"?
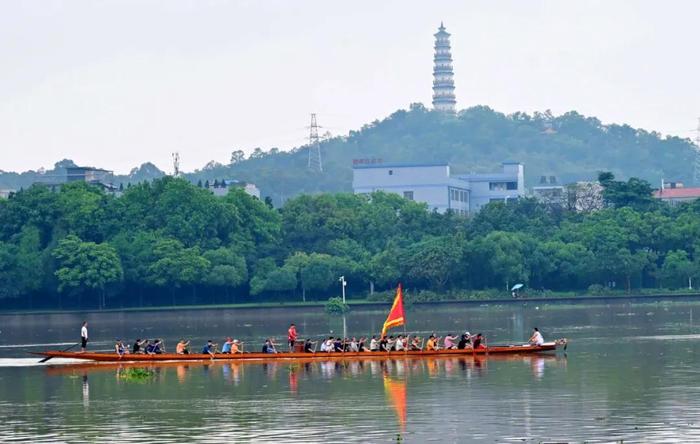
{"x": 292, "y": 336}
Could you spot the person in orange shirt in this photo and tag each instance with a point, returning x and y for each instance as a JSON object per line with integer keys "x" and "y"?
{"x": 431, "y": 345}
{"x": 292, "y": 336}
{"x": 236, "y": 346}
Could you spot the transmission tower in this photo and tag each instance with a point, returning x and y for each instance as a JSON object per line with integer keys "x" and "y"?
{"x": 696, "y": 171}
{"x": 176, "y": 164}
{"x": 315, "y": 162}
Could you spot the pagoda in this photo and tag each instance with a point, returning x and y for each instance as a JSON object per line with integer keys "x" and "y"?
{"x": 443, "y": 77}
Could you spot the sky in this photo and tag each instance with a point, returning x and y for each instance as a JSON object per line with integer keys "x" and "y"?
{"x": 114, "y": 84}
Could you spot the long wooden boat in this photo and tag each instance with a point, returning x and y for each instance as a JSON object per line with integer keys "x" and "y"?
{"x": 300, "y": 356}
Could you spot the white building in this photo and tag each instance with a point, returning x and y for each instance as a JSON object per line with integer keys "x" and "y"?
{"x": 433, "y": 184}
{"x": 222, "y": 188}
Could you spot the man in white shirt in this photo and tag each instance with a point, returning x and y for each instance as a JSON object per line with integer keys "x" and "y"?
{"x": 536, "y": 338}
{"x": 83, "y": 337}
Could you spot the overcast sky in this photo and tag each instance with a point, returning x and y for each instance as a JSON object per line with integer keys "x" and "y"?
{"x": 118, "y": 83}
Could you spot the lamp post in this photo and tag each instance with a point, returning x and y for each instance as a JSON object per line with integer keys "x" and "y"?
{"x": 343, "y": 283}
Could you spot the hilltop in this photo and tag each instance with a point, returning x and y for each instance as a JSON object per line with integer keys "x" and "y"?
{"x": 570, "y": 146}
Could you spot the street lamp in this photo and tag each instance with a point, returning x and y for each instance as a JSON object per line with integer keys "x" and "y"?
{"x": 343, "y": 283}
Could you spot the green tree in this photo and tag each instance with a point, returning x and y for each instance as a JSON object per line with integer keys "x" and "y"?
{"x": 678, "y": 270}
{"x": 86, "y": 265}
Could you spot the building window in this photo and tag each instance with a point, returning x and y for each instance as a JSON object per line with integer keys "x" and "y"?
{"x": 391, "y": 172}
{"x": 497, "y": 186}
{"x": 408, "y": 195}
{"x": 512, "y": 185}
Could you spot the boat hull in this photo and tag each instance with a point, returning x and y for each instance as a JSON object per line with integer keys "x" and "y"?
{"x": 294, "y": 356}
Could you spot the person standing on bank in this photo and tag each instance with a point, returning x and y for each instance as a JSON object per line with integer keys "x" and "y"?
{"x": 83, "y": 337}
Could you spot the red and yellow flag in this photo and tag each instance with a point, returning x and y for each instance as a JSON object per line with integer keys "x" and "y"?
{"x": 395, "y": 317}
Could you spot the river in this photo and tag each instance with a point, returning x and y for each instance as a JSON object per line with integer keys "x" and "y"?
{"x": 630, "y": 374}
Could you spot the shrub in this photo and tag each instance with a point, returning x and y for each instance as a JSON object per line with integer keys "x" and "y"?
{"x": 335, "y": 306}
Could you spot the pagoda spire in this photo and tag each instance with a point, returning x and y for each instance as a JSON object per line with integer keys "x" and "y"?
{"x": 443, "y": 77}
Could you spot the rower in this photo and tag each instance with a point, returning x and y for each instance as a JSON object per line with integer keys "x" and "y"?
{"x": 119, "y": 347}
{"x": 327, "y": 345}
{"x": 431, "y": 345}
{"x": 450, "y": 342}
{"x": 181, "y": 347}
{"x": 361, "y": 344}
{"x": 209, "y": 348}
{"x": 479, "y": 341}
{"x": 226, "y": 348}
{"x": 236, "y": 346}
{"x": 415, "y": 344}
{"x": 309, "y": 346}
{"x": 338, "y": 345}
{"x": 150, "y": 347}
{"x": 373, "y": 344}
{"x": 464, "y": 342}
{"x": 536, "y": 338}
{"x": 400, "y": 344}
{"x": 138, "y": 346}
{"x": 269, "y": 346}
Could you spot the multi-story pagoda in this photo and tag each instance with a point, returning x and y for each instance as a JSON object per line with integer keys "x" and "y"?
{"x": 443, "y": 77}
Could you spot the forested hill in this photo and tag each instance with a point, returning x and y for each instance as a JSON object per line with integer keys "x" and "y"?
{"x": 570, "y": 147}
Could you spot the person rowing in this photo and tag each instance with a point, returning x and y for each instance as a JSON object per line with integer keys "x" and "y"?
{"x": 182, "y": 347}
{"x": 120, "y": 348}
{"x": 226, "y": 348}
{"x": 464, "y": 341}
{"x": 415, "y": 344}
{"x": 138, "y": 346}
{"x": 209, "y": 348}
{"x": 373, "y": 344}
{"x": 327, "y": 345}
{"x": 269, "y": 346}
{"x": 432, "y": 344}
{"x": 449, "y": 342}
{"x": 236, "y": 346}
{"x": 479, "y": 341}
{"x": 536, "y": 338}
{"x": 310, "y": 346}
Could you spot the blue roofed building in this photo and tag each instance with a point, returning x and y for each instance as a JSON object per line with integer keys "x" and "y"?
{"x": 433, "y": 184}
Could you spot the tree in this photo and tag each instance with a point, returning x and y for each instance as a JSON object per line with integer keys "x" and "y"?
{"x": 431, "y": 260}
{"x": 678, "y": 270}
{"x": 86, "y": 265}
{"x": 237, "y": 156}
{"x": 635, "y": 193}
{"x": 228, "y": 269}
{"x": 176, "y": 266}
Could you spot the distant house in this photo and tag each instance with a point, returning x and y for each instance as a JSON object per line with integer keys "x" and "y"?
{"x": 675, "y": 193}
{"x": 222, "y": 188}
{"x": 6, "y": 193}
{"x": 94, "y": 176}
{"x": 549, "y": 191}
{"x": 433, "y": 184}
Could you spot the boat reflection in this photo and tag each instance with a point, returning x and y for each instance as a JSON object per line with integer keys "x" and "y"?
{"x": 296, "y": 372}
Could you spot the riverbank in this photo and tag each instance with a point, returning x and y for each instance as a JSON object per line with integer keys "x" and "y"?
{"x": 366, "y": 303}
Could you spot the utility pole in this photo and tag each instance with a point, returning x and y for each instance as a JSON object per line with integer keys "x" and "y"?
{"x": 176, "y": 164}
{"x": 696, "y": 170}
{"x": 315, "y": 161}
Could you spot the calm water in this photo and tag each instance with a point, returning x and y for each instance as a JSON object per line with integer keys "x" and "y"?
{"x": 630, "y": 375}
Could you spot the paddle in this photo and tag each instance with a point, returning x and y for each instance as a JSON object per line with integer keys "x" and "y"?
{"x": 49, "y": 357}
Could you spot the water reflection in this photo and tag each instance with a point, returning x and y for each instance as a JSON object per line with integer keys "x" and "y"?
{"x": 86, "y": 390}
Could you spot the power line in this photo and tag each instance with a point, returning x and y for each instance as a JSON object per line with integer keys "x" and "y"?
{"x": 315, "y": 161}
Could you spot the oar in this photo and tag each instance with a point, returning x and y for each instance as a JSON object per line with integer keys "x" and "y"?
{"x": 49, "y": 357}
